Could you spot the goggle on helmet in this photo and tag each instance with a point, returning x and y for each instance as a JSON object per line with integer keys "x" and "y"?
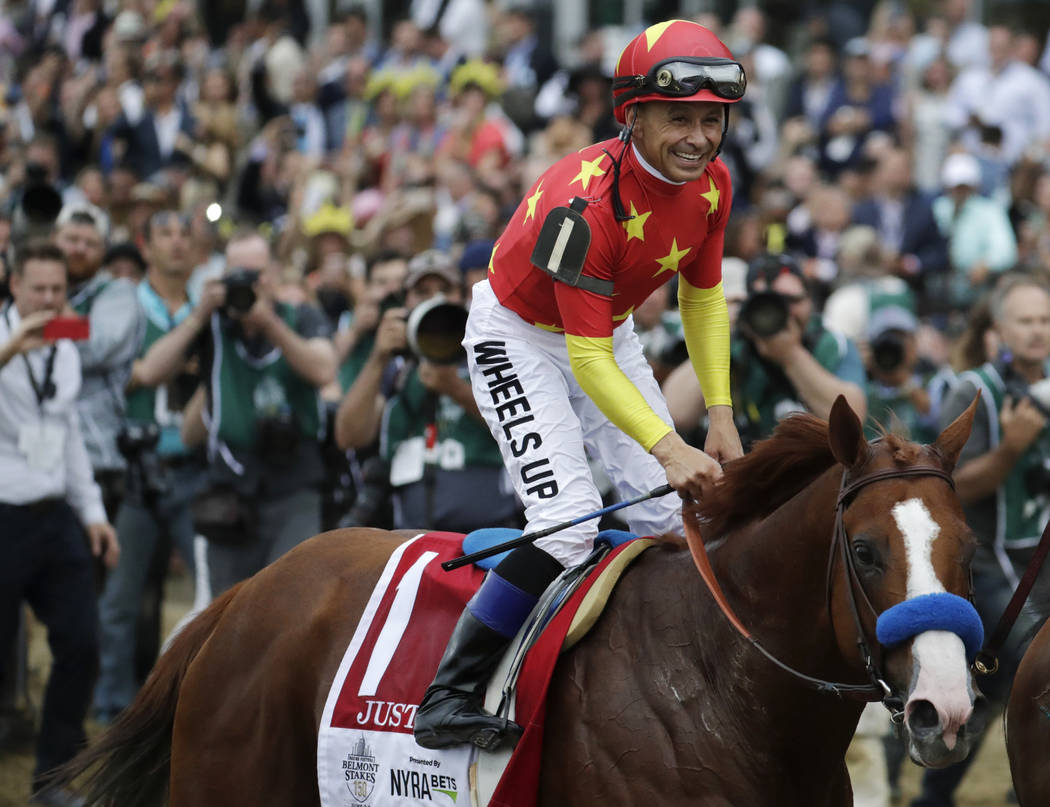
{"x": 685, "y": 78}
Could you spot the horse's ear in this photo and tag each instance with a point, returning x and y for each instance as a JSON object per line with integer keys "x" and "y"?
{"x": 845, "y": 435}
{"x": 950, "y": 442}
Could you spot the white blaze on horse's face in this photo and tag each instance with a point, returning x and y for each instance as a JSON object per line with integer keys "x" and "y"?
{"x": 940, "y": 673}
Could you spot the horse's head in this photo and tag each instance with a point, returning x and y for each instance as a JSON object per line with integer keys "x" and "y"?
{"x": 906, "y": 547}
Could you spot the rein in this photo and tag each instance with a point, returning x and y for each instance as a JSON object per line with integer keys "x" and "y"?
{"x": 878, "y": 689}
{"x": 988, "y": 659}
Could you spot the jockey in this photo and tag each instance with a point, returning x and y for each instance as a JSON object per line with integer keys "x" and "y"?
{"x": 556, "y": 368}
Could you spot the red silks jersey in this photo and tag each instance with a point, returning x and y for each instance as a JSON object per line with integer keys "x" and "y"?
{"x": 675, "y": 228}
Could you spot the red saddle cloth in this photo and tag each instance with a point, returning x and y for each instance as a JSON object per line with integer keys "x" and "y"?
{"x": 402, "y": 635}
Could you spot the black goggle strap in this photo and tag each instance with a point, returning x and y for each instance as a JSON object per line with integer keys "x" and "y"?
{"x": 625, "y": 136}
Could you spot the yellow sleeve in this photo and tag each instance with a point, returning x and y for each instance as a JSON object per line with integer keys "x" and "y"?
{"x": 705, "y": 324}
{"x": 595, "y": 368}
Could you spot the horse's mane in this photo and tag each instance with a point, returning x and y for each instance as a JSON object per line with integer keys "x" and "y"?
{"x": 774, "y": 471}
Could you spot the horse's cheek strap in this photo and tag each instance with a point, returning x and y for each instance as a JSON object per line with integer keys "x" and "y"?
{"x": 938, "y": 611}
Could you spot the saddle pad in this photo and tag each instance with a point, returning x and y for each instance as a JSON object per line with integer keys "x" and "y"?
{"x": 366, "y": 754}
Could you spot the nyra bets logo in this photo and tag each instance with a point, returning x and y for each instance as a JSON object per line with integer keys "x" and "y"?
{"x": 425, "y": 784}
{"x": 360, "y": 770}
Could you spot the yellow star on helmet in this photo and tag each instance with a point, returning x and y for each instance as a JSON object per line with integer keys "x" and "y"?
{"x": 654, "y": 32}
{"x": 589, "y": 169}
{"x": 636, "y": 225}
{"x": 711, "y": 195}
{"x": 532, "y": 200}
{"x": 492, "y": 257}
{"x": 669, "y": 263}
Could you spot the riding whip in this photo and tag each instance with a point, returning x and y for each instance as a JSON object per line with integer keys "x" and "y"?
{"x": 521, "y": 540}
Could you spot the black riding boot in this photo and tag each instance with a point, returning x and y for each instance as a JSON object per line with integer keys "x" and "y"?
{"x": 452, "y": 711}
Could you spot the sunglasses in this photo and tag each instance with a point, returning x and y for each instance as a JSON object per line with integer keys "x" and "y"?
{"x": 684, "y": 77}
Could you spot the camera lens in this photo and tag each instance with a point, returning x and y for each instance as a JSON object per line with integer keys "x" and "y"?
{"x": 765, "y": 313}
{"x": 887, "y": 352}
{"x": 240, "y": 289}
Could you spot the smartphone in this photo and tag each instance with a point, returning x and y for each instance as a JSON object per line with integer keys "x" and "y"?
{"x": 77, "y": 328}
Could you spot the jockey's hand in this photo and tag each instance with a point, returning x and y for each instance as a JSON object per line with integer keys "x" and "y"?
{"x": 689, "y": 470}
{"x": 723, "y": 441}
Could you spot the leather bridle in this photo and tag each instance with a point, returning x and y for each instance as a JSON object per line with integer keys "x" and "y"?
{"x": 877, "y": 689}
{"x": 840, "y": 541}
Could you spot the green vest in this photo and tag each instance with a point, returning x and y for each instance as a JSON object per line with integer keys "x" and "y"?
{"x": 355, "y": 360}
{"x": 890, "y": 405}
{"x": 461, "y": 441}
{"x": 763, "y": 394}
{"x": 251, "y": 388}
{"x": 1020, "y": 515}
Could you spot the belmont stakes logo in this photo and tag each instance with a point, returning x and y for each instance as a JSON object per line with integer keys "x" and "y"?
{"x": 360, "y": 770}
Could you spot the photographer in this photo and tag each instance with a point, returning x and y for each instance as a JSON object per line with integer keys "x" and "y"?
{"x": 48, "y": 501}
{"x": 259, "y": 412}
{"x": 1003, "y": 480}
{"x": 783, "y": 359}
{"x": 116, "y": 327}
{"x": 897, "y": 390}
{"x": 161, "y": 480}
{"x": 445, "y": 469}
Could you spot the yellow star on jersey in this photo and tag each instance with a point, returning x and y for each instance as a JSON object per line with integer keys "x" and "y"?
{"x": 669, "y": 263}
{"x": 588, "y": 170}
{"x": 492, "y": 257}
{"x": 711, "y": 195}
{"x": 636, "y": 226}
{"x": 531, "y": 202}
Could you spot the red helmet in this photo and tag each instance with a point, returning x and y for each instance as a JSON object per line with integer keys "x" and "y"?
{"x": 676, "y": 60}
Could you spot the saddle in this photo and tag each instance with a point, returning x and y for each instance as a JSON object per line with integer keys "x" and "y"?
{"x": 366, "y": 748}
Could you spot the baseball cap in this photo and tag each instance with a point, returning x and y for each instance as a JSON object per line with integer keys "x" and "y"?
{"x": 84, "y": 209}
{"x": 125, "y": 249}
{"x": 961, "y": 169}
{"x": 891, "y": 318}
{"x": 476, "y": 255}
{"x": 432, "y": 262}
{"x": 770, "y": 266}
{"x": 858, "y": 46}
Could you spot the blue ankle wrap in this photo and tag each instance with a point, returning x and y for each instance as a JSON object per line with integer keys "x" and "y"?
{"x": 938, "y": 611}
{"x": 501, "y": 605}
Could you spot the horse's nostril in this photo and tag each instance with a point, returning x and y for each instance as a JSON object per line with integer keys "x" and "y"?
{"x": 923, "y": 718}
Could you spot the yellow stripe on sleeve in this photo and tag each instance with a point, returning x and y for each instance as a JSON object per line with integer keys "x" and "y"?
{"x": 705, "y": 324}
{"x": 595, "y": 368}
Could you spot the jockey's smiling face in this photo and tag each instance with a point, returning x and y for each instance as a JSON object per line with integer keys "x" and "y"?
{"x": 679, "y": 138}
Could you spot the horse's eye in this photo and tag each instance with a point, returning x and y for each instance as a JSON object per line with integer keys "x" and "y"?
{"x": 864, "y": 554}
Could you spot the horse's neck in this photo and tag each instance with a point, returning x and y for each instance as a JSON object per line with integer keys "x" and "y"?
{"x": 774, "y": 571}
{"x": 774, "y": 575}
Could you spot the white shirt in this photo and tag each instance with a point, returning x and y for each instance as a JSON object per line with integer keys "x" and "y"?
{"x": 21, "y": 481}
{"x": 1017, "y": 99}
{"x": 167, "y": 126}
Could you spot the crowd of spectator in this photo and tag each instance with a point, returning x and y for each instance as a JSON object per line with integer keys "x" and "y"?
{"x": 250, "y": 203}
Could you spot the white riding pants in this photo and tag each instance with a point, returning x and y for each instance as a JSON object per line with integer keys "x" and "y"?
{"x": 546, "y": 425}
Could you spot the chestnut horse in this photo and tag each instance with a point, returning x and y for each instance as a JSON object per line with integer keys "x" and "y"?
{"x": 663, "y": 702}
{"x": 1028, "y": 723}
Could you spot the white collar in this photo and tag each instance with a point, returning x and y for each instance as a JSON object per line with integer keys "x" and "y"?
{"x": 650, "y": 169}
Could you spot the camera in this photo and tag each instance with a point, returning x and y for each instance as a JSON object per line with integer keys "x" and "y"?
{"x": 277, "y": 437}
{"x": 765, "y": 313}
{"x": 240, "y": 290}
{"x": 146, "y": 476}
{"x": 887, "y": 352}
{"x": 1016, "y": 388}
{"x": 435, "y": 330}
